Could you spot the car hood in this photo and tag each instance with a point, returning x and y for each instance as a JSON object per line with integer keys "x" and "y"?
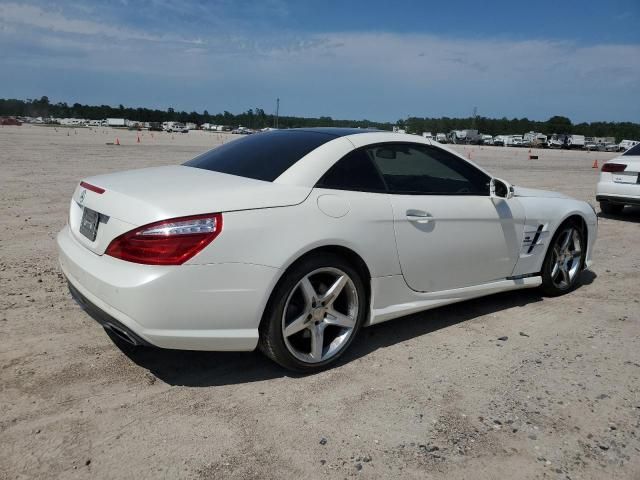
{"x": 534, "y": 192}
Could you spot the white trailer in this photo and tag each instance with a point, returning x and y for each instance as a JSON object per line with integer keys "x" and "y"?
{"x": 556, "y": 141}
{"x": 535, "y": 139}
{"x": 500, "y": 140}
{"x": 575, "y": 141}
{"x": 116, "y": 122}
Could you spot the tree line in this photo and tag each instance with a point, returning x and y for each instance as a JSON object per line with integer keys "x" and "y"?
{"x": 258, "y": 118}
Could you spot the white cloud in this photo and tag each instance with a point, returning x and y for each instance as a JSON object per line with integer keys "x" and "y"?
{"x": 38, "y": 18}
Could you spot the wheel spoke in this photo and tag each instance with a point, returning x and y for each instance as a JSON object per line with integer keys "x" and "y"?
{"x": 339, "y": 319}
{"x": 334, "y": 290}
{"x": 308, "y": 291}
{"x": 297, "y": 325}
{"x": 565, "y": 242}
{"x": 554, "y": 271}
{"x": 565, "y": 274}
{"x": 317, "y": 339}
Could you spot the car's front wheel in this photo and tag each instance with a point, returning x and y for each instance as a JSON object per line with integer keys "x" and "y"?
{"x": 314, "y": 313}
{"x": 564, "y": 260}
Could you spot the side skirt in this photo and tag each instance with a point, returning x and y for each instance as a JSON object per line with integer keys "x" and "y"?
{"x": 392, "y": 298}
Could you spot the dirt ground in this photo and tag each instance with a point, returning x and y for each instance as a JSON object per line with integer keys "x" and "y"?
{"x": 434, "y": 395}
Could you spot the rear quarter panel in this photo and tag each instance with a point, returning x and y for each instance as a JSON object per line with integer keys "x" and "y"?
{"x": 276, "y": 237}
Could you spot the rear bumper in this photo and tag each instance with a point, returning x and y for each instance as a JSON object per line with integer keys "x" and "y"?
{"x": 619, "y": 199}
{"x": 187, "y": 307}
{"x": 620, "y": 193}
{"x": 106, "y": 320}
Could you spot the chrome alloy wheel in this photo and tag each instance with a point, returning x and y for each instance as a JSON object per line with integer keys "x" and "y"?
{"x": 566, "y": 259}
{"x": 320, "y": 315}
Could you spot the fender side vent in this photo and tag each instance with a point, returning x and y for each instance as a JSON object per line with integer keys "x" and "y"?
{"x": 536, "y": 237}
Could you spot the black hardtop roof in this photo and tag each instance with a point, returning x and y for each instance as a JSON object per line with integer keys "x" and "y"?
{"x": 334, "y": 131}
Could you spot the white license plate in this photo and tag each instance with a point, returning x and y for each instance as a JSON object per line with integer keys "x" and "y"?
{"x": 626, "y": 177}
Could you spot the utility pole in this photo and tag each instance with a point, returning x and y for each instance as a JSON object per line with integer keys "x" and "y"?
{"x": 475, "y": 116}
{"x": 277, "y": 112}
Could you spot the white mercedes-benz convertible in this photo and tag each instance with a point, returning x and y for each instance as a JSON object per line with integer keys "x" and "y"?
{"x": 293, "y": 240}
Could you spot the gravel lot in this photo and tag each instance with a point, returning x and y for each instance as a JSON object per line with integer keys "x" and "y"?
{"x": 433, "y": 395}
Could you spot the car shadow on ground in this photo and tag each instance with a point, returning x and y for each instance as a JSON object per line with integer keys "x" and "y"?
{"x": 629, "y": 214}
{"x": 205, "y": 369}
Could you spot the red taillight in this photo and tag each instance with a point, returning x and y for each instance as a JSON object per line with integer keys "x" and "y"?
{"x": 169, "y": 242}
{"x": 93, "y": 188}
{"x": 613, "y": 167}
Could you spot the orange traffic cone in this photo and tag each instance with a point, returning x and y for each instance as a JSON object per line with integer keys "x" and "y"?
{"x": 595, "y": 163}
{"x": 117, "y": 141}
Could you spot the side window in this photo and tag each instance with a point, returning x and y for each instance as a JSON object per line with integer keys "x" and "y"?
{"x": 422, "y": 169}
{"x": 355, "y": 172}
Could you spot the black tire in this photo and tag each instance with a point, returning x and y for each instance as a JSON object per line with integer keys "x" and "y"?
{"x": 549, "y": 286}
{"x": 272, "y": 342}
{"x": 609, "y": 208}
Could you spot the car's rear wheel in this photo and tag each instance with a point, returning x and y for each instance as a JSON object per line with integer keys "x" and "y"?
{"x": 611, "y": 208}
{"x": 564, "y": 260}
{"x": 314, "y": 313}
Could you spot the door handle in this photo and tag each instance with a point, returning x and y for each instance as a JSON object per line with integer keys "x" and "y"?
{"x": 418, "y": 216}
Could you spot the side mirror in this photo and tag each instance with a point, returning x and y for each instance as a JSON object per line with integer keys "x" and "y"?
{"x": 499, "y": 188}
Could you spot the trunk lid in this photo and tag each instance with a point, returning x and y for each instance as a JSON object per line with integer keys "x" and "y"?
{"x": 138, "y": 197}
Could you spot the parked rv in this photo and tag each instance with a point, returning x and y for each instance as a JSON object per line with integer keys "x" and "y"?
{"x": 575, "y": 141}
{"x": 535, "y": 139}
{"x": 464, "y": 136}
{"x": 517, "y": 141}
{"x": 556, "y": 141}
{"x": 116, "y": 122}
{"x": 499, "y": 140}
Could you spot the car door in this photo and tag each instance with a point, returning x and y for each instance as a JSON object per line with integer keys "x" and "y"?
{"x": 450, "y": 233}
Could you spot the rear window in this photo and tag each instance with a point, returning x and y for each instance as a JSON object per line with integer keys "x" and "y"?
{"x": 262, "y": 156}
{"x": 633, "y": 151}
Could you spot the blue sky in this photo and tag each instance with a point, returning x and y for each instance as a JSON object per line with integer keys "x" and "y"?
{"x": 381, "y": 60}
